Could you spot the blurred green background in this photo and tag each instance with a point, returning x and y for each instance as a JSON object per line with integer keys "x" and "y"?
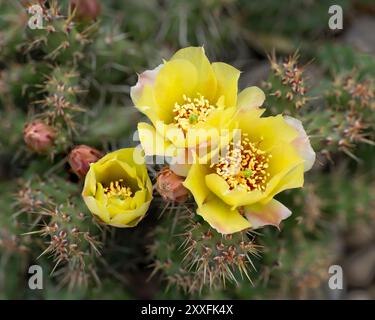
{"x": 333, "y": 219}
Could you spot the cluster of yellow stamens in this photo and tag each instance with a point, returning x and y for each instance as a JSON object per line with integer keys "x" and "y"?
{"x": 192, "y": 111}
{"x": 118, "y": 189}
{"x": 244, "y": 165}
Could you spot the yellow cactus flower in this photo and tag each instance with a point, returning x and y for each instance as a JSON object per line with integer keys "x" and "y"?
{"x": 185, "y": 93}
{"x": 118, "y": 189}
{"x": 236, "y": 191}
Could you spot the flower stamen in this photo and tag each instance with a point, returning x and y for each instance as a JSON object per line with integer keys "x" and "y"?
{"x": 118, "y": 189}
{"x": 244, "y": 164}
{"x": 193, "y": 111}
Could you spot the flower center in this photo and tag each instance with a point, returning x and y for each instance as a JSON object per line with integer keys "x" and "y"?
{"x": 244, "y": 165}
{"x": 118, "y": 189}
{"x": 193, "y": 111}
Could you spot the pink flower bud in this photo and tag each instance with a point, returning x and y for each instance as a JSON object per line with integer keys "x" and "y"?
{"x": 170, "y": 187}
{"x": 81, "y": 157}
{"x": 39, "y": 136}
{"x": 89, "y": 9}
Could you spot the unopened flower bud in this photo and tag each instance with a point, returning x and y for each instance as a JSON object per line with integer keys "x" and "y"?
{"x": 39, "y": 136}
{"x": 29, "y": 3}
{"x": 170, "y": 187}
{"x": 81, "y": 157}
{"x": 86, "y": 9}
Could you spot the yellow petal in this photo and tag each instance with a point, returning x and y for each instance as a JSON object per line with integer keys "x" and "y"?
{"x": 147, "y": 104}
{"x": 139, "y": 197}
{"x": 110, "y": 170}
{"x": 130, "y": 218}
{"x": 234, "y": 198}
{"x": 302, "y": 143}
{"x": 152, "y": 142}
{"x": 206, "y": 137}
{"x": 176, "y": 78}
{"x": 222, "y": 118}
{"x": 117, "y": 207}
{"x": 175, "y": 135}
{"x": 221, "y": 217}
{"x": 97, "y": 208}
{"x": 89, "y": 187}
{"x": 250, "y": 98}
{"x": 227, "y": 81}
{"x": 284, "y": 156}
{"x": 133, "y": 158}
{"x": 145, "y": 78}
{"x": 126, "y": 213}
{"x": 286, "y": 173}
{"x": 274, "y": 130}
{"x": 271, "y": 213}
{"x": 294, "y": 178}
{"x": 99, "y": 195}
{"x": 206, "y": 85}
{"x": 195, "y": 183}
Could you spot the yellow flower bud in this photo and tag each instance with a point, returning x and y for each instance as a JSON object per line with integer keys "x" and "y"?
{"x": 118, "y": 189}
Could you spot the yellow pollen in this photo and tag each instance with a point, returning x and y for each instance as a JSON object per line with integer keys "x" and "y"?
{"x": 244, "y": 165}
{"x": 117, "y": 189}
{"x": 193, "y": 111}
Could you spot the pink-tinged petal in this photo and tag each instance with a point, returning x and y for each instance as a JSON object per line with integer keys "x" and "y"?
{"x": 184, "y": 158}
{"x": 181, "y": 163}
{"x": 271, "y": 213}
{"x": 302, "y": 143}
{"x": 180, "y": 169}
{"x": 146, "y": 77}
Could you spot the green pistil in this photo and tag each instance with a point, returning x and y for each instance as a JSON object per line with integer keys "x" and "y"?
{"x": 193, "y": 118}
{"x": 247, "y": 173}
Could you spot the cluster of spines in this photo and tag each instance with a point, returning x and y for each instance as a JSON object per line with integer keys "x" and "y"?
{"x": 332, "y": 131}
{"x": 60, "y": 103}
{"x": 60, "y": 45}
{"x": 287, "y": 82}
{"x": 72, "y": 249}
{"x": 347, "y": 120}
{"x": 198, "y": 257}
{"x": 218, "y": 258}
{"x": 72, "y": 239}
{"x": 354, "y": 95}
{"x": 360, "y": 93}
{"x": 61, "y": 39}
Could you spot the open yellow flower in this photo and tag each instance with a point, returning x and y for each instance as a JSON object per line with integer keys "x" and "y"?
{"x": 236, "y": 191}
{"x": 118, "y": 189}
{"x": 188, "y": 92}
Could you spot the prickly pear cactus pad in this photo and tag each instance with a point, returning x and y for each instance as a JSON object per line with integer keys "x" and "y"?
{"x": 187, "y": 149}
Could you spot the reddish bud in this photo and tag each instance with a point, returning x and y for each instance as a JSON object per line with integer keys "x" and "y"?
{"x": 39, "y": 136}
{"x": 81, "y": 157}
{"x": 86, "y": 9}
{"x": 170, "y": 187}
{"x": 29, "y": 3}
